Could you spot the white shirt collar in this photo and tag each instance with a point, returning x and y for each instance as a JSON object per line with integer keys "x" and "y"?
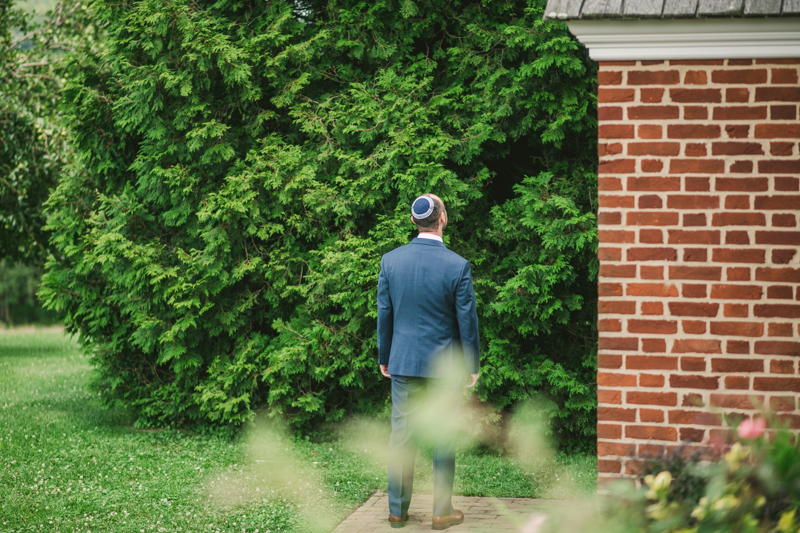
{"x": 431, "y": 236}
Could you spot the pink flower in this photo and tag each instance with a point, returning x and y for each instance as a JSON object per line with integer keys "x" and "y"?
{"x": 752, "y": 428}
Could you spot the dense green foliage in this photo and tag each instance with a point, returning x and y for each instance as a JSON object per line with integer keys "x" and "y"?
{"x": 33, "y": 146}
{"x": 18, "y": 303}
{"x": 242, "y": 167}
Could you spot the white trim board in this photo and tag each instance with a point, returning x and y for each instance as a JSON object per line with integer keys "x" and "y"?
{"x": 742, "y": 38}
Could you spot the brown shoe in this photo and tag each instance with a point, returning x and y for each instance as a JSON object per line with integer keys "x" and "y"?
{"x": 398, "y": 521}
{"x": 443, "y": 522}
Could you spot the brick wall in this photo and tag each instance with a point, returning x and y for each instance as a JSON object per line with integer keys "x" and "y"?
{"x": 699, "y": 292}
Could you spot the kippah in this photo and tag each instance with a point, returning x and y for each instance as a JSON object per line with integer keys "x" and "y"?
{"x": 422, "y": 207}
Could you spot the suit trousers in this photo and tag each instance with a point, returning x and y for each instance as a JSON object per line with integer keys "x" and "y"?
{"x": 424, "y": 410}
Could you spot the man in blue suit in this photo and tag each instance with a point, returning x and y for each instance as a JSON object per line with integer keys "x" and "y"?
{"x": 428, "y": 343}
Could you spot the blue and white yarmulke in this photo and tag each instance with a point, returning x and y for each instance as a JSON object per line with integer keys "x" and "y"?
{"x": 422, "y": 207}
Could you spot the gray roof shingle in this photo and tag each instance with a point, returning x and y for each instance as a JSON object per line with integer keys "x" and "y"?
{"x": 667, "y": 9}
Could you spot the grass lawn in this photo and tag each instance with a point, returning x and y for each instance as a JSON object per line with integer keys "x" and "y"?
{"x": 69, "y": 465}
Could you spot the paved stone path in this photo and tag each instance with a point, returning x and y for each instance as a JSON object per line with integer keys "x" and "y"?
{"x": 502, "y": 515}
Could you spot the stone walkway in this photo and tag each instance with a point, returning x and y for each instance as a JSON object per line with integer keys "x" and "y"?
{"x": 503, "y": 515}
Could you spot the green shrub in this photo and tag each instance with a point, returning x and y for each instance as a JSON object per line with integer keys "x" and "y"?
{"x": 242, "y": 167}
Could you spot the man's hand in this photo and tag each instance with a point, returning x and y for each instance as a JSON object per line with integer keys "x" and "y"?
{"x": 473, "y": 379}
{"x": 385, "y": 371}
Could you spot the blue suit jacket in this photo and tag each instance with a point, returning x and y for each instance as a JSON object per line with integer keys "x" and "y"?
{"x": 426, "y": 309}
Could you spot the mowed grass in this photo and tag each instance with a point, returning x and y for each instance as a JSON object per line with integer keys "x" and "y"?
{"x": 69, "y": 465}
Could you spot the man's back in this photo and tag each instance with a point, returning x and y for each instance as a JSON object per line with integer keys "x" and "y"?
{"x": 426, "y": 307}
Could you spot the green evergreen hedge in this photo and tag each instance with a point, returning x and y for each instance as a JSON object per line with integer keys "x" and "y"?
{"x": 244, "y": 165}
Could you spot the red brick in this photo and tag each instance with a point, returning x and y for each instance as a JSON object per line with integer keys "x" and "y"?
{"x": 664, "y": 327}
{"x": 651, "y": 165}
{"x": 609, "y": 254}
{"x": 697, "y": 346}
{"x": 661, "y": 290}
{"x": 653, "y": 218}
{"x": 693, "y": 309}
{"x": 654, "y": 77}
{"x": 737, "y": 347}
{"x": 741, "y": 366}
{"x": 783, "y": 112}
{"x": 609, "y": 184}
{"x": 695, "y": 77}
{"x": 653, "y": 112}
{"x": 609, "y": 360}
{"x": 650, "y": 131}
{"x": 737, "y": 237}
{"x": 693, "y": 364}
{"x": 741, "y": 255}
{"x": 615, "y": 95}
{"x": 777, "y": 94}
{"x": 780, "y": 292}
{"x": 692, "y": 201}
{"x": 786, "y": 201}
{"x": 691, "y": 290}
{"x": 777, "y": 348}
{"x": 695, "y": 254}
{"x": 683, "y": 96}
{"x": 651, "y": 184}
{"x": 736, "y": 292}
{"x": 780, "y": 330}
{"x": 692, "y": 400}
{"x": 777, "y": 131}
{"x": 697, "y": 62}
{"x": 650, "y": 201}
{"x": 735, "y": 311}
{"x": 652, "y": 415}
{"x": 616, "y": 236}
{"x": 702, "y": 166}
{"x": 777, "y": 311}
{"x": 682, "y": 381}
{"x": 609, "y": 218}
{"x": 651, "y": 362}
{"x": 782, "y": 403}
{"x": 616, "y": 414}
{"x": 737, "y": 383}
{"x": 651, "y": 398}
{"x": 617, "y": 166}
{"x": 651, "y": 96}
{"x": 784, "y": 75}
{"x": 615, "y": 131}
{"x": 736, "y": 148}
{"x": 654, "y": 345}
{"x": 741, "y": 167}
{"x": 782, "y": 257}
{"x": 617, "y": 271}
{"x": 736, "y": 401}
{"x": 737, "y": 201}
{"x": 609, "y": 289}
{"x": 784, "y": 220}
{"x": 738, "y": 329}
{"x": 692, "y": 272}
{"x": 609, "y": 466}
{"x": 781, "y": 148}
{"x": 609, "y": 431}
{"x": 776, "y": 384}
{"x": 738, "y": 274}
{"x": 607, "y": 113}
{"x": 778, "y": 61}
{"x": 779, "y": 167}
{"x": 692, "y": 434}
{"x": 781, "y": 366}
{"x": 621, "y": 344}
{"x": 786, "y": 275}
{"x": 652, "y": 254}
{"x": 615, "y": 448}
{"x": 778, "y": 237}
{"x": 613, "y": 379}
{"x": 693, "y": 131}
{"x": 694, "y": 112}
{"x": 616, "y": 308}
{"x": 740, "y": 113}
{"x": 693, "y": 327}
{"x": 741, "y": 184}
{"x": 652, "y": 272}
{"x": 651, "y": 433}
{"x": 652, "y": 308}
{"x": 651, "y": 380}
{"x": 696, "y": 418}
{"x": 694, "y": 219}
{"x": 738, "y": 219}
{"x": 741, "y": 77}
{"x": 738, "y": 95}
{"x": 737, "y": 131}
{"x": 609, "y": 78}
{"x": 654, "y": 148}
{"x": 609, "y": 396}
